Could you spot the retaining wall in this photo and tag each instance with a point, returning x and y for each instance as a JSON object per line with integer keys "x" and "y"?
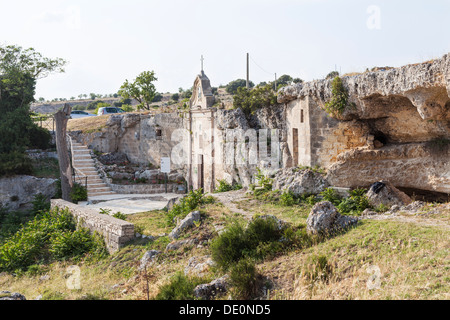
{"x": 116, "y": 232}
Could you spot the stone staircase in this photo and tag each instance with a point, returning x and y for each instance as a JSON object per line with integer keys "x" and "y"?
{"x": 85, "y": 167}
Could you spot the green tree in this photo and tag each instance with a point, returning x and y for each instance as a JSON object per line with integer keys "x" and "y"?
{"x": 19, "y": 70}
{"x": 142, "y": 89}
{"x": 250, "y": 100}
{"x": 233, "y": 86}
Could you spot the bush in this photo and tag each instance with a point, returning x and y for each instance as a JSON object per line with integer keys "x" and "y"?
{"x": 15, "y": 162}
{"x": 233, "y": 86}
{"x": 224, "y": 186}
{"x": 256, "y": 241}
{"x": 180, "y": 287}
{"x": 127, "y": 108}
{"x": 120, "y": 215}
{"x": 186, "y": 205}
{"x": 287, "y": 199}
{"x": 73, "y": 244}
{"x": 40, "y": 203}
{"x": 332, "y": 196}
{"x": 39, "y": 138}
{"x": 250, "y": 100}
{"x": 78, "y": 193}
{"x": 50, "y": 235}
{"x": 339, "y": 100}
{"x": 244, "y": 279}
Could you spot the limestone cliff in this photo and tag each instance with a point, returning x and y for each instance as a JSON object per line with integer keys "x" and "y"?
{"x": 400, "y": 121}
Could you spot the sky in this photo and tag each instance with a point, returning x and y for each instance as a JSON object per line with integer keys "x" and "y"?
{"x": 109, "y": 41}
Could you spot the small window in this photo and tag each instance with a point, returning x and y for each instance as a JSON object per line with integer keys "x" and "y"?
{"x": 302, "y": 116}
{"x": 158, "y": 134}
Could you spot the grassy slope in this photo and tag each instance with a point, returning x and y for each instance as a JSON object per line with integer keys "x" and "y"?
{"x": 413, "y": 260}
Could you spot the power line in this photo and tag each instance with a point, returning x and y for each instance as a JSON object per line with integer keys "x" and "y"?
{"x": 271, "y": 73}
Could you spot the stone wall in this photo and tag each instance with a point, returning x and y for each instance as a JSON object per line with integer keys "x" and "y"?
{"x": 116, "y": 232}
{"x": 148, "y": 188}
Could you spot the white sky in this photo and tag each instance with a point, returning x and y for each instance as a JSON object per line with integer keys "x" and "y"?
{"x": 108, "y": 41}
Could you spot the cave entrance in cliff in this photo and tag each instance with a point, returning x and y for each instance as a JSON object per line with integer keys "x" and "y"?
{"x": 381, "y": 138}
{"x": 426, "y": 195}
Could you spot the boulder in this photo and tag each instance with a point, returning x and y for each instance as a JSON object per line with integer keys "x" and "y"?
{"x": 212, "y": 289}
{"x": 178, "y": 244}
{"x": 6, "y": 295}
{"x": 18, "y": 192}
{"x": 184, "y": 224}
{"x": 325, "y": 219}
{"x": 148, "y": 258}
{"x": 113, "y": 158}
{"x": 384, "y": 192}
{"x": 299, "y": 182}
{"x": 198, "y": 266}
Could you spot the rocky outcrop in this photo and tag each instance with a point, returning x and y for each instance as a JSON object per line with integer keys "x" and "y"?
{"x": 384, "y": 193}
{"x": 18, "y": 192}
{"x": 6, "y": 295}
{"x": 426, "y": 85}
{"x": 184, "y": 224}
{"x": 212, "y": 289}
{"x": 324, "y": 219}
{"x": 299, "y": 182}
{"x": 148, "y": 258}
{"x": 412, "y": 165}
{"x": 198, "y": 266}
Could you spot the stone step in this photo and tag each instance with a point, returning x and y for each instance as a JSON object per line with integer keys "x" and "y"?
{"x": 94, "y": 194}
{"x": 100, "y": 189}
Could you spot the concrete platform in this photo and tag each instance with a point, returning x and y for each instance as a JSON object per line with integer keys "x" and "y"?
{"x": 130, "y": 203}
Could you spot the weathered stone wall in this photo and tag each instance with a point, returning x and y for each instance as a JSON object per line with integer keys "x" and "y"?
{"x": 116, "y": 232}
{"x": 395, "y": 113}
{"x": 147, "y": 188}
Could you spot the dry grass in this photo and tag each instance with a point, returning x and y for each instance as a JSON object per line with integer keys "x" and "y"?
{"x": 86, "y": 125}
{"x": 413, "y": 259}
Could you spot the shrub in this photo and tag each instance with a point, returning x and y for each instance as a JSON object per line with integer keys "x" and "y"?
{"x": 355, "y": 204}
{"x": 339, "y": 100}
{"x": 15, "y": 162}
{"x": 78, "y": 193}
{"x": 127, "y": 108}
{"x": 186, "y": 205}
{"x": 332, "y": 196}
{"x": 51, "y": 234}
{"x": 233, "y": 86}
{"x": 73, "y": 244}
{"x": 120, "y": 215}
{"x": 250, "y": 100}
{"x": 287, "y": 199}
{"x": 180, "y": 287}
{"x": 244, "y": 279}
{"x": 40, "y": 203}
{"x": 224, "y": 186}
{"x": 39, "y": 138}
{"x": 257, "y": 241}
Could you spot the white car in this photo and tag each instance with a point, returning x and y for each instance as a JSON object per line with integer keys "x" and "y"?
{"x": 109, "y": 110}
{"x": 77, "y": 114}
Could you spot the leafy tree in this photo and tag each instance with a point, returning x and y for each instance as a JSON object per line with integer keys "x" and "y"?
{"x": 332, "y": 75}
{"x": 19, "y": 70}
{"x": 233, "y": 86}
{"x": 175, "y": 97}
{"x": 158, "y": 97}
{"x": 250, "y": 100}
{"x": 142, "y": 89}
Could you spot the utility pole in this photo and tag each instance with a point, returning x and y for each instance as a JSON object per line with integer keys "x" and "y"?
{"x": 248, "y": 71}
